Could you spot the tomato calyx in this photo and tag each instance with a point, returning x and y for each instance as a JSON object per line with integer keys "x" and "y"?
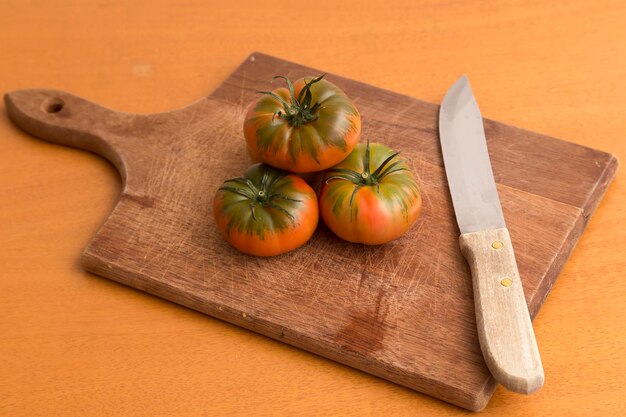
{"x": 367, "y": 177}
{"x": 298, "y": 110}
{"x": 261, "y": 194}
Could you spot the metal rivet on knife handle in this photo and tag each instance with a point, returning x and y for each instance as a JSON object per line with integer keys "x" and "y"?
{"x": 497, "y": 244}
{"x": 506, "y": 282}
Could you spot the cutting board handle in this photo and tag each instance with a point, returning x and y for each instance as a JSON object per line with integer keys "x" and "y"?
{"x": 63, "y": 118}
{"x": 127, "y": 140}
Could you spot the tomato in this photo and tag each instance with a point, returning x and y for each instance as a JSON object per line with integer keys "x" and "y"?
{"x": 309, "y": 126}
{"x": 266, "y": 212}
{"x": 371, "y": 197}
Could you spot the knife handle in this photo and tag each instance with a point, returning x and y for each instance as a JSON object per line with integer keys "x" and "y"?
{"x": 505, "y": 331}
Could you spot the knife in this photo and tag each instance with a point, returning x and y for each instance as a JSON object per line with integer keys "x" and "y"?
{"x": 505, "y": 331}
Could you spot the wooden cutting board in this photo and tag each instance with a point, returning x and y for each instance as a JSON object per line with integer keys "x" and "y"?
{"x": 402, "y": 311}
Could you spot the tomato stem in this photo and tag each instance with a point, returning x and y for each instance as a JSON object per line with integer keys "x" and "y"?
{"x": 260, "y": 193}
{"x": 299, "y": 111}
{"x": 367, "y": 177}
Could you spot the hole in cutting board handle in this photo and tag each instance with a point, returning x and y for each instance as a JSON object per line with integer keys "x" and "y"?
{"x": 53, "y": 105}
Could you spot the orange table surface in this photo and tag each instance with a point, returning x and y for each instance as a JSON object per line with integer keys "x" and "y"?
{"x": 74, "y": 344}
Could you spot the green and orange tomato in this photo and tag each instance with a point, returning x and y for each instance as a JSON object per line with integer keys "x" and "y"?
{"x": 309, "y": 126}
{"x": 266, "y": 212}
{"x": 370, "y": 197}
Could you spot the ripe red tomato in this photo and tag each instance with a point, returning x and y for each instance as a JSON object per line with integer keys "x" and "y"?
{"x": 370, "y": 197}
{"x": 266, "y": 212}
{"x": 309, "y": 126}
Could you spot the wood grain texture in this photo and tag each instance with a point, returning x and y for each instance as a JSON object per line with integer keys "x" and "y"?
{"x": 75, "y": 344}
{"x": 373, "y": 308}
{"x": 505, "y": 333}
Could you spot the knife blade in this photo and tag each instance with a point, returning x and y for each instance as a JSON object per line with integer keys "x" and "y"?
{"x": 505, "y": 331}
